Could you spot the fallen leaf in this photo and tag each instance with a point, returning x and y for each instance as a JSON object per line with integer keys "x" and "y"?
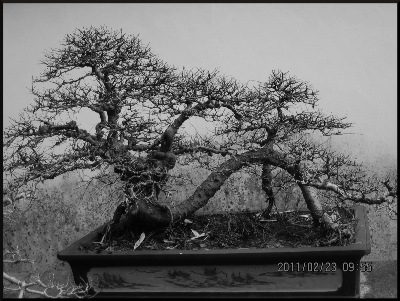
{"x": 139, "y": 241}
{"x": 196, "y": 234}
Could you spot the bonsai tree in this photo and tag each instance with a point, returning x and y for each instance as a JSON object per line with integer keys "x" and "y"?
{"x": 141, "y": 104}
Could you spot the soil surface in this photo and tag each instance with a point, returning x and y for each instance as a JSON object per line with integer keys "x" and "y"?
{"x": 236, "y": 230}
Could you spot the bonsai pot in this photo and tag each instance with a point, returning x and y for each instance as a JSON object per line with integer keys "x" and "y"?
{"x": 275, "y": 272}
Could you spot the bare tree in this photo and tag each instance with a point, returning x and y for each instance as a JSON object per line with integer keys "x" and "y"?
{"x": 141, "y": 104}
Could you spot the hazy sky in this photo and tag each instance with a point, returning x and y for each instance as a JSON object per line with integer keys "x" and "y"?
{"x": 346, "y": 51}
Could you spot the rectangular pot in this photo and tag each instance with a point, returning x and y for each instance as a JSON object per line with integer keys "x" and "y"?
{"x": 275, "y": 272}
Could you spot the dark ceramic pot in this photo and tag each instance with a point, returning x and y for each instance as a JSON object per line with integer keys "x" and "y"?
{"x": 276, "y": 272}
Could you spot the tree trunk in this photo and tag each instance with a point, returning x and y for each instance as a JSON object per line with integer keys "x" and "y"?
{"x": 144, "y": 179}
{"x": 213, "y": 183}
{"x": 309, "y": 194}
{"x": 266, "y": 185}
{"x": 315, "y": 207}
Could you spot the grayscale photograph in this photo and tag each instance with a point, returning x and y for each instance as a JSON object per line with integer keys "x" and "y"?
{"x": 199, "y": 150}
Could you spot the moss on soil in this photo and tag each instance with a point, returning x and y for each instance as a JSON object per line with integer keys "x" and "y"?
{"x": 238, "y": 230}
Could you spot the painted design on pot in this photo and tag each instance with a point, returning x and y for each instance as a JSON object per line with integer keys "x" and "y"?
{"x": 218, "y": 278}
{"x": 108, "y": 280}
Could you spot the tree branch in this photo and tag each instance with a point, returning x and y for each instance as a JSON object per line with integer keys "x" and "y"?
{"x": 356, "y": 199}
{"x": 184, "y": 150}
{"x": 69, "y": 130}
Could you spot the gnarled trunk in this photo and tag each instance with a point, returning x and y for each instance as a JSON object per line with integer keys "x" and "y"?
{"x": 144, "y": 180}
